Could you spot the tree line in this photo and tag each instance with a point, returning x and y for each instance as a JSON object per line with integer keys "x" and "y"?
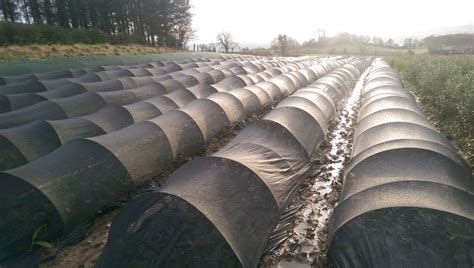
{"x": 450, "y": 44}
{"x": 158, "y": 22}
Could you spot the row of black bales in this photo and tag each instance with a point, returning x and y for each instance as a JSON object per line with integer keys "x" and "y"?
{"x": 23, "y": 144}
{"x": 407, "y": 198}
{"x": 69, "y": 185}
{"x": 221, "y": 209}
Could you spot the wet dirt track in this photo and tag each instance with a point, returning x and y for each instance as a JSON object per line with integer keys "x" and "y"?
{"x": 305, "y": 222}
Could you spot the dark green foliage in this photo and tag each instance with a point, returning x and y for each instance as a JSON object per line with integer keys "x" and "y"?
{"x": 88, "y": 36}
{"x": 450, "y": 44}
{"x": 53, "y": 35}
{"x": 156, "y": 22}
{"x": 12, "y": 33}
{"x": 9, "y": 10}
{"x": 7, "y": 33}
{"x": 445, "y": 88}
{"x": 120, "y": 39}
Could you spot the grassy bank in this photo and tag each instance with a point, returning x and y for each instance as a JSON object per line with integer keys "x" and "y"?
{"x": 445, "y": 87}
{"x": 36, "y": 52}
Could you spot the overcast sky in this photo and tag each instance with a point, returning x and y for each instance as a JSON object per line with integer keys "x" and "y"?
{"x": 259, "y": 21}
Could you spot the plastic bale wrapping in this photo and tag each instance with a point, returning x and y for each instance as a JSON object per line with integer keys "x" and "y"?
{"x": 221, "y": 209}
{"x": 69, "y": 185}
{"x": 23, "y": 144}
{"x": 407, "y": 198}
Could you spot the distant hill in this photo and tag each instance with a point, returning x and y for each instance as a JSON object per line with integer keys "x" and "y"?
{"x": 253, "y": 45}
{"x": 467, "y": 28}
{"x": 461, "y": 43}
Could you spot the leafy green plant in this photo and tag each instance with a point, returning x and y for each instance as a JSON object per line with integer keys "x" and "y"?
{"x": 35, "y": 242}
{"x": 444, "y": 86}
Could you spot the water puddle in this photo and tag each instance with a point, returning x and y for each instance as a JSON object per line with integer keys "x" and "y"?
{"x": 305, "y": 243}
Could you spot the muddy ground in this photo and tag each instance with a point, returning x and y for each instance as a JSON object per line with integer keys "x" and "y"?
{"x": 85, "y": 253}
{"x": 302, "y": 239}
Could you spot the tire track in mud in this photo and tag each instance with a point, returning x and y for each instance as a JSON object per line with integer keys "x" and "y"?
{"x": 300, "y": 239}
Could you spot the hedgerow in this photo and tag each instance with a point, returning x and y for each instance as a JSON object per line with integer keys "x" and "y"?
{"x": 23, "y": 34}
{"x": 445, "y": 89}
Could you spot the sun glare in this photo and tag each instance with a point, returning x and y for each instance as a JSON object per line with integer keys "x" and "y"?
{"x": 260, "y": 21}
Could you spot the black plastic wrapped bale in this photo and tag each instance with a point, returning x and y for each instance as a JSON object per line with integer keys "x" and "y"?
{"x": 236, "y": 195}
{"x": 91, "y": 174}
{"x": 408, "y": 197}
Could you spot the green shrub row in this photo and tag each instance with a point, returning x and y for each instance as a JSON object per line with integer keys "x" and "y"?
{"x": 23, "y": 34}
{"x": 444, "y": 86}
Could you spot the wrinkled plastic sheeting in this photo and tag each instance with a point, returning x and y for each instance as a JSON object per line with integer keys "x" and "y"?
{"x": 82, "y": 82}
{"x": 81, "y": 72}
{"x": 73, "y": 106}
{"x": 28, "y": 142}
{"x": 69, "y": 185}
{"x": 407, "y": 198}
{"x": 97, "y": 65}
{"x": 7, "y": 80}
{"x": 43, "y": 66}
{"x": 236, "y": 195}
{"x": 23, "y": 108}
{"x": 16, "y": 96}
{"x": 62, "y": 89}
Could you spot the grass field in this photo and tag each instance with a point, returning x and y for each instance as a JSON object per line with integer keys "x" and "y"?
{"x": 354, "y": 49}
{"x": 445, "y": 88}
{"x": 36, "y": 52}
{"x": 343, "y": 49}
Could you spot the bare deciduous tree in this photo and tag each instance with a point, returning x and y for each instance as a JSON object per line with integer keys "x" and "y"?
{"x": 284, "y": 43}
{"x": 224, "y": 40}
{"x": 184, "y": 33}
